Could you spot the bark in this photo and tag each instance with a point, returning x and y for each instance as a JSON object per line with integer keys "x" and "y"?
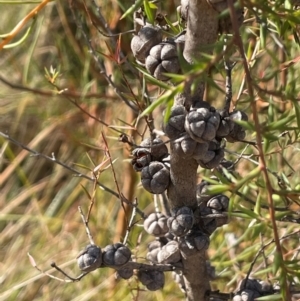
{"x": 202, "y": 30}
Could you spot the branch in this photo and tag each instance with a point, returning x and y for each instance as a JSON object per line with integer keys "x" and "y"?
{"x": 202, "y": 30}
{"x": 100, "y": 64}
{"x": 263, "y": 165}
{"x": 54, "y": 160}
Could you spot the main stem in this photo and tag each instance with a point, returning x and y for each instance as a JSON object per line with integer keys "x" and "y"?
{"x": 202, "y": 30}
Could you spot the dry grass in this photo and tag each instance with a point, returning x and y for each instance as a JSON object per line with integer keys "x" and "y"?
{"x": 39, "y": 199}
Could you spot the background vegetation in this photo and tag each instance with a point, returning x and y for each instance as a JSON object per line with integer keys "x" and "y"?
{"x": 65, "y": 118}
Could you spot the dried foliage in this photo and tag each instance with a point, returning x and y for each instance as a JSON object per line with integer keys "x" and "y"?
{"x": 81, "y": 113}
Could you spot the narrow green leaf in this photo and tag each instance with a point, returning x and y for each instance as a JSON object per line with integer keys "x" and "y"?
{"x": 173, "y": 28}
{"x": 243, "y": 215}
{"x": 86, "y": 192}
{"x": 132, "y": 9}
{"x": 150, "y": 11}
{"x": 297, "y": 112}
{"x": 249, "y": 213}
{"x": 22, "y": 39}
{"x": 90, "y": 159}
{"x": 152, "y": 79}
{"x": 277, "y": 262}
{"x": 263, "y": 29}
{"x": 212, "y": 181}
{"x": 168, "y": 111}
{"x": 254, "y": 173}
{"x": 246, "y": 124}
{"x": 280, "y": 124}
{"x": 217, "y": 189}
{"x": 279, "y": 215}
{"x": 175, "y": 77}
{"x": 258, "y": 204}
{"x": 168, "y": 96}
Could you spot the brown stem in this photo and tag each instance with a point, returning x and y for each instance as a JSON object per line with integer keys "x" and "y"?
{"x": 260, "y": 148}
{"x": 202, "y": 31}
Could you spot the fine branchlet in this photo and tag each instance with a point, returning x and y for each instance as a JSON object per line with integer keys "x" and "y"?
{"x": 206, "y": 156}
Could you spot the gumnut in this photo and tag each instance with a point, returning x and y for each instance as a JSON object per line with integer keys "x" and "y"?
{"x": 146, "y": 38}
{"x": 157, "y": 148}
{"x": 219, "y": 202}
{"x": 211, "y": 227}
{"x": 124, "y": 273}
{"x": 202, "y": 123}
{"x": 186, "y": 147}
{"x": 155, "y": 177}
{"x": 227, "y": 165}
{"x": 225, "y": 127}
{"x": 169, "y": 253}
{"x": 141, "y": 158}
{"x": 237, "y": 133}
{"x": 246, "y": 295}
{"x": 162, "y": 59}
{"x": 194, "y": 242}
{"x": 210, "y": 224}
{"x": 153, "y": 248}
{"x": 156, "y": 224}
{"x": 90, "y": 258}
{"x": 175, "y": 125}
{"x": 116, "y": 255}
{"x": 181, "y": 221}
{"x": 262, "y": 287}
{"x": 201, "y": 192}
{"x": 213, "y": 156}
{"x": 153, "y": 280}
{"x": 266, "y": 287}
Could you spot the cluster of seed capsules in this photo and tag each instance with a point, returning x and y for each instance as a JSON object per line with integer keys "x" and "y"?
{"x": 250, "y": 289}
{"x": 199, "y": 130}
{"x": 195, "y": 133}
{"x": 118, "y": 257}
{"x": 186, "y": 231}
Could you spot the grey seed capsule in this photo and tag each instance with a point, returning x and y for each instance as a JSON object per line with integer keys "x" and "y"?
{"x": 90, "y": 258}
{"x": 116, "y": 255}
{"x": 156, "y": 224}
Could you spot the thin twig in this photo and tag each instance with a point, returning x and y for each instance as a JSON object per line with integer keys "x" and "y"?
{"x": 76, "y": 172}
{"x": 92, "y": 198}
{"x": 99, "y": 63}
{"x": 248, "y": 158}
{"x": 131, "y": 223}
{"x": 72, "y": 279}
{"x": 53, "y": 159}
{"x": 87, "y": 229}
{"x": 228, "y": 85}
{"x": 60, "y": 93}
{"x": 262, "y": 164}
{"x": 129, "y": 265}
{"x": 103, "y": 23}
{"x": 74, "y": 102}
{"x": 107, "y": 153}
{"x": 263, "y": 248}
{"x": 33, "y": 263}
{"x": 23, "y": 22}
